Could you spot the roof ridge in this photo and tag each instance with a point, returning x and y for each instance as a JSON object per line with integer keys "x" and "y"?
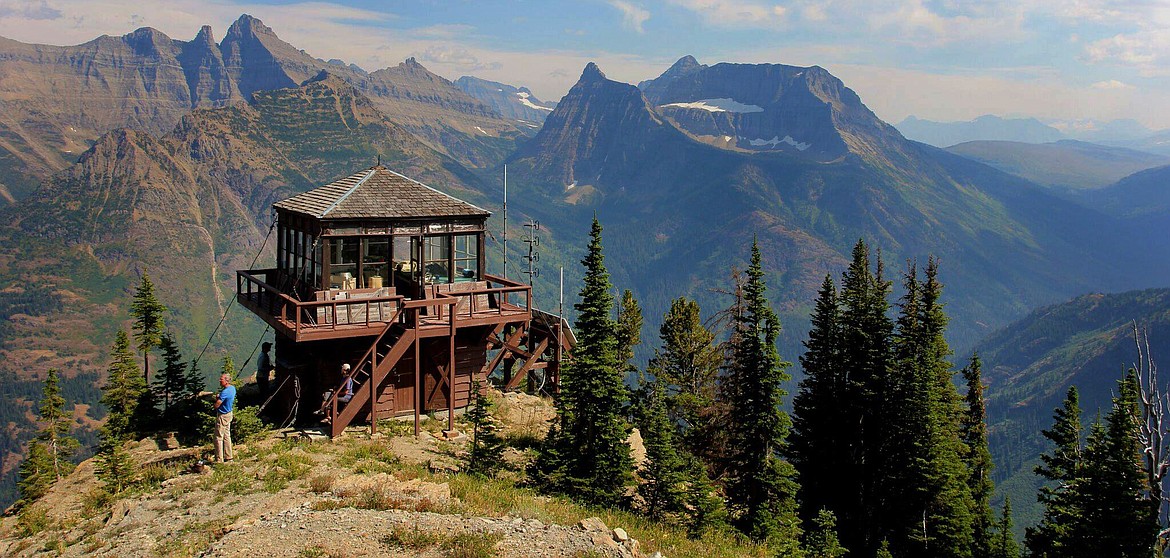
{"x": 370, "y": 173}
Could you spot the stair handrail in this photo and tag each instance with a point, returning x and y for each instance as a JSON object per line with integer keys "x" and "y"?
{"x": 368, "y": 357}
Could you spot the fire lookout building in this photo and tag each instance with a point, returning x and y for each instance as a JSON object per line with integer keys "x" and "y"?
{"x": 386, "y": 274}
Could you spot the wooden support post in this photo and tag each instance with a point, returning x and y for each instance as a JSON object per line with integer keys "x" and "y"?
{"x": 418, "y": 389}
{"x": 451, "y": 375}
{"x": 373, "y": 385}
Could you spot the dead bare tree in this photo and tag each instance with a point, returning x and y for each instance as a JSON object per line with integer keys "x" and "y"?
{"x": 1154, "y": 434}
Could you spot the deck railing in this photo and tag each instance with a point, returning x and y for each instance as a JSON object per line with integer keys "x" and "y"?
{"x": 255, "y": 290}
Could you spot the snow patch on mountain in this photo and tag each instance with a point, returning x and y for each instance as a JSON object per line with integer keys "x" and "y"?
{"x": 776, "y": 141}
{"x": 718, "y": 105}
{"x": 523, "y": 95}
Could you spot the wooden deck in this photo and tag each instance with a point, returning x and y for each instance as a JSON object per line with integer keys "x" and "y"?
{"x": 367, "y": 316}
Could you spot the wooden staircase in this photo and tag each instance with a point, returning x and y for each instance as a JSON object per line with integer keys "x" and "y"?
{"x": 369, "y": 375}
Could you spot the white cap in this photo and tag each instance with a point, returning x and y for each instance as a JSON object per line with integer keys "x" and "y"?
{"x": 345, "y": 366}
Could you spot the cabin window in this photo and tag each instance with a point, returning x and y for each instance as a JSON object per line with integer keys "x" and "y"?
{"x": 466, "y": 257}
{"x": 343, "y": 263}
{"x": 375, "y": 255}
{"x": 437, "y": 257}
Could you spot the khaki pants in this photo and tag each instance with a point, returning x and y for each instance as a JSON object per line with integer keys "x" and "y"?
{"x": 223, "y": 438}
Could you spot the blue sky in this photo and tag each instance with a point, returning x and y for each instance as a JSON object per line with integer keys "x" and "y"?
{"x": 1064, "y": 60}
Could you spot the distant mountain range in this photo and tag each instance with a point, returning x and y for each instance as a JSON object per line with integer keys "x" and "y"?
{"x": 1119, "y": 133}
{"x": 58, "y": 100}
{"x": 1070, "y": 164}
{"x": 671, "y": 169}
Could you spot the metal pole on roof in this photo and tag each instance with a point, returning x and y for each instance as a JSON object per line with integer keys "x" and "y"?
{"x": 505, "y": 274}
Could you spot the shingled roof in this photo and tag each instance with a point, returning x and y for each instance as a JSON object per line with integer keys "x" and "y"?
{"x": 378, "y": 193}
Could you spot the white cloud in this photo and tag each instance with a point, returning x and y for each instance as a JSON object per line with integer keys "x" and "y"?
{"x": 632, "y": 16}
{"x": 1147, "y": 51}
{"x": 736, "y": 13}
{"x": 1111, "y": 84}
{"x": 452, "y": 56}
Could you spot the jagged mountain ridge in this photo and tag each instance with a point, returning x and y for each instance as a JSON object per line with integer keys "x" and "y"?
{"x": 57, "y": 100}
{"x": 512, "y": 102}
{"x": 682, "y": 210}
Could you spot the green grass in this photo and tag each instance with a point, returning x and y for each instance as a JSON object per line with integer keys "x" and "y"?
{"x": 471, "y": 545}
{"x": 193, "y": 538}
{"x": 410, "y": 538}
{"x": 499, "y": 498}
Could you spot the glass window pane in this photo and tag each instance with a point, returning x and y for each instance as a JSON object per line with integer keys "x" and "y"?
{"x": 343, "y": 256}
{"x": 437, "y": 250}
{"x": 466, "y": 257}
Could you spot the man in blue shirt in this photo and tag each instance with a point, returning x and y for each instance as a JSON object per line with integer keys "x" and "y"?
{"x": 224, "y": 406}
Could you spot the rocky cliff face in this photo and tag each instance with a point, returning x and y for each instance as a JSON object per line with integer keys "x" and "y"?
{"x": 769, "y": 107}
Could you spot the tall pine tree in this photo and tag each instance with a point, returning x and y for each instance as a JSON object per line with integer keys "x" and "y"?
{"x": 947, "y": 514}
{"x": 978, "y": 458}
{"x": 125, "y": 397}
{"x": 148, "y": 313}
{"x": 1116, "y": 518}
{"x": 865, "y": 333}
{"x": 761, "y": 486}
{"x": 817, "y": 445}
{"x": 586, "y": 453}
{"x": 47, "y": 459}
{"x": 1004, "y": 544}
{"x": 689, "y": 364}
{"x": 1061, "y": 468}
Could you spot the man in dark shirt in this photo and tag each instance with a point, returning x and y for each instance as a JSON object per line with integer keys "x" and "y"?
{"x": 264, "y": 369}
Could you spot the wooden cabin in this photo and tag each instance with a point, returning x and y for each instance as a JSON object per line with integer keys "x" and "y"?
{"x": 387, "y": 274}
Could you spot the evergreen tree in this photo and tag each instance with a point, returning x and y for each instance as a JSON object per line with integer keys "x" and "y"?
{"x": 586, "y": 453}
{"x": 49, "y": 452}
{"x": 689, "y": 365}
{"x": 1061, "y": 468}
{"x": 114, "y": 466}
{"x": 628, "y": 331}
{"x": 761, "y": 487}
{"x": 148, "y": 313}
{"x": 821, "y": 541}
{"x": 865, "y": 332}
{"x": 664, "y": 475}
{"x": 486, "y": 454}
{"x": 1004, "y": 544}
{"x": 978, "y": 458}
{"x": 35, "y": 474}
{"x": 170, "y": 384}
{"x": 125, "y": 396}
{"x": 947, "y": 515}
{"x": 1116, "y": 519}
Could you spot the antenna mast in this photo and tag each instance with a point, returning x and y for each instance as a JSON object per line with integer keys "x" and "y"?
{"x": 505, "y": 274}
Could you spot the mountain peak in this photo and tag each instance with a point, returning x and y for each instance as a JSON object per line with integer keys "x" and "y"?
{"x": 592, "y": 73}
{"x": 248, "y": 25}
{"x": 684, "y": 65}
{"x": 205, "y": 36}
